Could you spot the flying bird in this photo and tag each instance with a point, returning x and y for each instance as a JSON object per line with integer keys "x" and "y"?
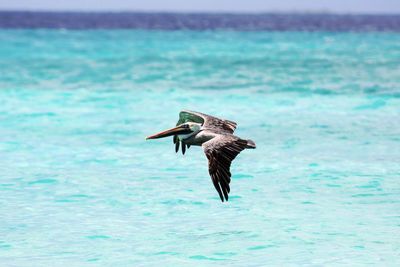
{"x": 216, "y": 137}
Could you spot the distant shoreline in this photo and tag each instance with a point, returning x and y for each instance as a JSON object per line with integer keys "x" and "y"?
{"x": 199, "y": 21}
{"x": 294, "y": 12}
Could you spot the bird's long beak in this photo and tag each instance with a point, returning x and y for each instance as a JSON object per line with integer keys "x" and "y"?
{"x": 174, "y": 131}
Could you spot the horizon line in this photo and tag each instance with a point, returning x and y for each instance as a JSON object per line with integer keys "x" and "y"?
{"x": 221, "y": 12}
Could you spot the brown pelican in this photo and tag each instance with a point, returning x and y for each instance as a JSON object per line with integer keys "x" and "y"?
{"x": 216, "y": 137}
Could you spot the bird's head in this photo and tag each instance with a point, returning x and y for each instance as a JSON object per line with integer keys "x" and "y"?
{"x": 186, "y": 128}
{"x": 194, "y": 126}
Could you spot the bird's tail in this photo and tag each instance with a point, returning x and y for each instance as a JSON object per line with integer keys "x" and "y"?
{"x": 250, "y": 144}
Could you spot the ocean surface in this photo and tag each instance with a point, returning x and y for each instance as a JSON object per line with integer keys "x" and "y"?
{"x": 80, "y": 186}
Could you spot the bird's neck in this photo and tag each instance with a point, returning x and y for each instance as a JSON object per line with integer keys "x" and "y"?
{"x": 186, "y": 136}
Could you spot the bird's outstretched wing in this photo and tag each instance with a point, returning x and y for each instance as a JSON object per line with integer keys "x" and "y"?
{"x": 220, "y": 151}
{"x": 207, "y": 121}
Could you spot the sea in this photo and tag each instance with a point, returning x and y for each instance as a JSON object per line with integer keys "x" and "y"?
{"x": 80, "y": 186}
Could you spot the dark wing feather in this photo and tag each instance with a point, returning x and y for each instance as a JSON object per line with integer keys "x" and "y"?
{"x": 183, "y": 148}
{"x": 207, "y": 121}
{"x": 220, "y": 152}
{"x": 176, "y": 142}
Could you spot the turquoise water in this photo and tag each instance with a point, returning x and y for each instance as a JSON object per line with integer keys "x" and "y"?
{"x": 80, "y": 186}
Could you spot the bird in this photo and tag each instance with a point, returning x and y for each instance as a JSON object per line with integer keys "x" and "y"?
{"x": 216, "y": 137}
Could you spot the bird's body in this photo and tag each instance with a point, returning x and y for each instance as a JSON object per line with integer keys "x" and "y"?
{"x": 216, "y": 137}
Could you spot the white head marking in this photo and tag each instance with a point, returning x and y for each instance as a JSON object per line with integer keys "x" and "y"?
{"x": 194, "y": 127}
